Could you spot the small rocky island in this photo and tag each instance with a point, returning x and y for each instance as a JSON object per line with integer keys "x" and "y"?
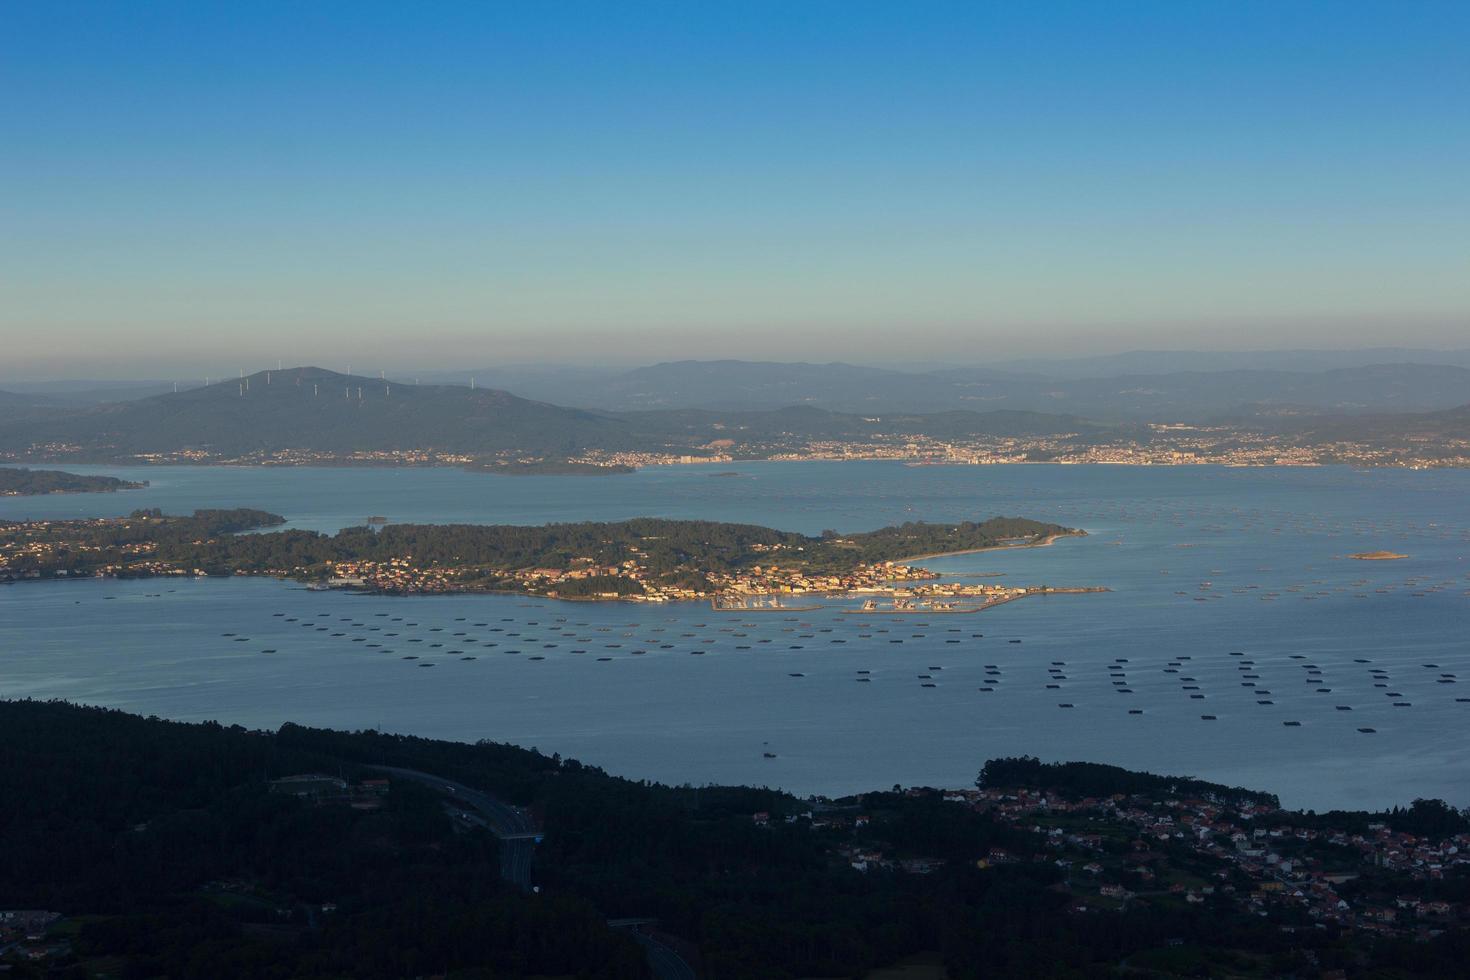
{"x": 22, "y": 482}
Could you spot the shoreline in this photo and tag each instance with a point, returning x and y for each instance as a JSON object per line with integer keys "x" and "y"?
{"x": 912, "y": 462}
{"x": 1046, "y": 542}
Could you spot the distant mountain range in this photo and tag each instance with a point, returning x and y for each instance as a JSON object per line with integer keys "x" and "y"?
{"x": 1154, "y": 386}
{"x": 1170, "y": 361}
{"x": 314, "y": 409}
{"x": 1426, "y": 428}
{"x": 1188, "y": 396}
{"x": 78, "y": 393}
{"x": 311, "y": 409}
{"x": 685, "y": 406}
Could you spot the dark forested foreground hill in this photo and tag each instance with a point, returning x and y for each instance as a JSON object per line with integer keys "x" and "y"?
{"x": 188, "y": 851}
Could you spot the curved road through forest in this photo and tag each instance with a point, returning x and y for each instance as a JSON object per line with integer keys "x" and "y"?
{"x": 518, "y": 836}
{"x": 511, "y": 824}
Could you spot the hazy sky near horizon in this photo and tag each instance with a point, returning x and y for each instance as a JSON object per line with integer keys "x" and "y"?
{"x": 425, "y": 185}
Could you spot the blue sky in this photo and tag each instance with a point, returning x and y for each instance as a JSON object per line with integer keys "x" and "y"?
{"x": 411, "y": 185}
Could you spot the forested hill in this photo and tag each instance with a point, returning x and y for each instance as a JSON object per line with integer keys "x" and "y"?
{"x": 19, "y": 481}
{"x": 310, "y": 410}
{"x": 175, "y": 850}
{"x": 1450, "y": 428}
{"x": 1080, "y": 779}
{"x": 148, "y": 542}
{"x": 916, "y": 538}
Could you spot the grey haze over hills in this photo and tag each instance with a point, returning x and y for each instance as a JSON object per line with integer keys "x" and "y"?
{"x": 1189, "y": 386}
{"x": 314, "y": 410}
{"x": 1179, "y": 395}
{"x": 1170, "y": 361}
{"x": 79, "y": 392}
{"x": 559, "y": 410}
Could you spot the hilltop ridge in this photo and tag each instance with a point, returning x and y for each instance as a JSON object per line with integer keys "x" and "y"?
{"x": 310, "y": 408}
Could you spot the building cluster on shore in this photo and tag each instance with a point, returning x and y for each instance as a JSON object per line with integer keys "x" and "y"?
{"x": 24, "y": 932}
{"x": 27, "y": 551}
{"x": 1119, "y": 849}
{"x": 778, "y": 580}
{"x": 1165, "y": 444}
{"x": 639, "y": 460}
{"x": 63, "y": 549}
{"x": 402, "y": 576}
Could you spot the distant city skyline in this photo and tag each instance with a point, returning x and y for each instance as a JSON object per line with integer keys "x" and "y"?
{"x": 412, "y": 188}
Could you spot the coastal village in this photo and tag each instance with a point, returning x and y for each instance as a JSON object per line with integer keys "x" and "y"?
{"x": 904, "y": 587}
{"x": 1196, "y": 850}
{"x": 1111, "y": 852}
{"x": 1166, "y": 444}
{"x": 41, "y": 549}
{"x": 69, "y": 549}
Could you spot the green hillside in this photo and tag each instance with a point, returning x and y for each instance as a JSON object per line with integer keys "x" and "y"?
{"x": 323, "y": 411}
{"x": 310, "y": 410}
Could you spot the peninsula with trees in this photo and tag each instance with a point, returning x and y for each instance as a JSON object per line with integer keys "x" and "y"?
{"x": 646, "y": 559}
{"x": 23, "y": 482}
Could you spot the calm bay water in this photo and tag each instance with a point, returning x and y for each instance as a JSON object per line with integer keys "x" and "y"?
{"x": 1204, "y": 562}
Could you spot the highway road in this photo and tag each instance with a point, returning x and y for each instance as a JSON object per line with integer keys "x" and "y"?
{"x": 662, "y": 960}
{"x": 511, "y": 824}
{"x": 518, "y": 834}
